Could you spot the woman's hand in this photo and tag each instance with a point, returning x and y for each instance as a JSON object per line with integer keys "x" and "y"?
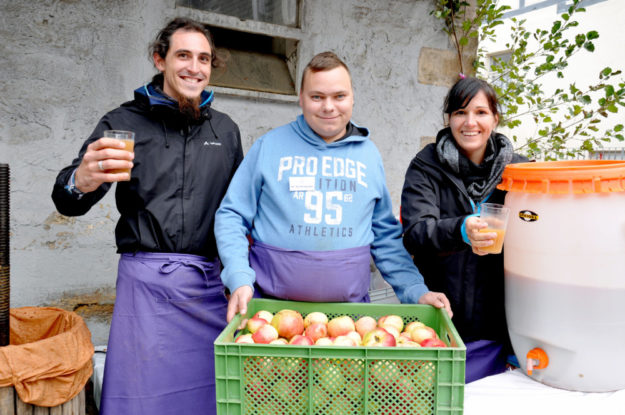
{"x": 479, "y": 239}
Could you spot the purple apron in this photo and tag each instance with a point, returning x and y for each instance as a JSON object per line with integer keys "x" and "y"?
{"x": 484, "y": 358}
{"x": 341, "y": 275}
{"x": 169, "y": 310}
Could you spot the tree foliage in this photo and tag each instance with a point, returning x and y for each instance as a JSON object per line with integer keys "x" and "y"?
{"x": 569, "y": 121}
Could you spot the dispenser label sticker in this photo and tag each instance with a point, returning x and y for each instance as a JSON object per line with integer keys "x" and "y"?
{"x": 528, "y": 216}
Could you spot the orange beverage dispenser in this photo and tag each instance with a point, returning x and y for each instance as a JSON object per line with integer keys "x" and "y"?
{"x": 564, "y": 265}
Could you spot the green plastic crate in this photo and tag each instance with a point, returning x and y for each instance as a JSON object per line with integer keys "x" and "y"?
{"x": 258, "y": 379}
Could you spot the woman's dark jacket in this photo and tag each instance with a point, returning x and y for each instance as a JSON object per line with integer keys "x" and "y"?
{"x": 434, "y": 204}
{"x": 182, "y": 168}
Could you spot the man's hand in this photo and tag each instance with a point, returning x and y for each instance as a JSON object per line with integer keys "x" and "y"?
{"x": 238, "y": 301}
{"x": 101, "y": 156}
{"x": 479, "y": 239}
{"x": 438, "y": 300}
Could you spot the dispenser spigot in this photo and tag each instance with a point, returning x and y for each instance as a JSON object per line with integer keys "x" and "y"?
{"x": 536, "y": 359}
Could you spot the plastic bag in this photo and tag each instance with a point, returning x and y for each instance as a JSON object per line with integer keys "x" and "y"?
{"x": 49, "y": 359}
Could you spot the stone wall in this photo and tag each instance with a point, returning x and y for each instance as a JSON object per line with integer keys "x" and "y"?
{"x": 66, "y": 62}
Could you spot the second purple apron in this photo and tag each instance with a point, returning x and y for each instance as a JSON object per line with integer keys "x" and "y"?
{"x": 318, "y": 276}
{"x": 168, "y": 311}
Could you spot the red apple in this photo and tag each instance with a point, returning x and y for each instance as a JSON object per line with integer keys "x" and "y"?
{"x": 391, "y": 320}
{"x": 316, "y": 331}
{"x": 301, "y": 340}
{"x": 378, "y": 337}
{"x": 244, "y": 338}
{"x": 392, "y": 330}
{"x": 288, "y": 323}
{"x": 340, "y": 326}
{"x": 418, "y": 334}
{"x": 365, "y": 324}
{"x": 265, "y": 315}
{"x": 280, "y": 340}
{"x": 432, "y": 342}
{"x": 315, "y": 317}
{"x": 254, "y": 324}
{"x": 265, "y": 334}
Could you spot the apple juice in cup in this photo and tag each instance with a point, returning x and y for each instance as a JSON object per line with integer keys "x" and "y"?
{"x": 496, "y": 216}
{"x": 128, "y": 138}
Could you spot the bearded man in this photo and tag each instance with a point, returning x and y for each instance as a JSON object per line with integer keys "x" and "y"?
{"x": 170, "y": 304}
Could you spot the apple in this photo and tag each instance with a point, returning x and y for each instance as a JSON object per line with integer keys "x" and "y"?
{"x": 418, "y": 334}
{"x": 433, "y": 342}
{"x": 315, "y": 317}
{"x": 365, "y": 324}
{"x": 355, "y": 337}
{"x": 324, "y": 341}
{"x": 340, "y": 326}
{"x": 403, "y": 341}
{"x": 379, "y": 337}
{"x": 392, "y": 330}
{"x": 265, "y": 334}
{"x": 288, "y": 323}
{"x": 255, "y": 323}
{"x": 316, "y": 330}
{"x": 264, "y": 314}
{"x": 301, "y": 340}
{"x": 412, "y": 325}
{"x": 244, "y": 338}
{"x": 280, "y": 340}
{"x": 391, "y": 320}
{"x": 405, "y": 335}
{"x": 344, "y": 341}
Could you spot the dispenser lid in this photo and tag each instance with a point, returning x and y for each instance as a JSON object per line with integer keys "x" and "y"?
{"x": 565, "y": 177}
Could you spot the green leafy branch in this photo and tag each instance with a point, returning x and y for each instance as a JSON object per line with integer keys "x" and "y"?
{"x": 568, "y": 121}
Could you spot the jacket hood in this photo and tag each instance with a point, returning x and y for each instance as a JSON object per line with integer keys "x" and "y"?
{"x": 301, "y": 128}
{"x": 152, "y": 96}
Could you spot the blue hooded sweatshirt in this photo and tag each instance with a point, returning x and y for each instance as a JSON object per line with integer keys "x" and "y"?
{"x": 316, "y": 212}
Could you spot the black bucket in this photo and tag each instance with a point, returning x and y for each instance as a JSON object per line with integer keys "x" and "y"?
{"x": 4, "y": 255}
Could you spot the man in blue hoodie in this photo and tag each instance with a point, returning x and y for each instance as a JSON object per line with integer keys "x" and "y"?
{"x": 170, "y": 304}
{"x": 313, "y": 197}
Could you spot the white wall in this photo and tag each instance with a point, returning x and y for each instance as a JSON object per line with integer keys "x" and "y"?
{"x": 605, "y": 16}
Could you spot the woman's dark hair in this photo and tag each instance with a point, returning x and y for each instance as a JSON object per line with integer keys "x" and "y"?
{"x": 465, "y": 90}
{"x": 163, "y": 39}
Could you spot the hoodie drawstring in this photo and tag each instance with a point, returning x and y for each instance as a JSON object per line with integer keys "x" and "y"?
{"x": 165, "y": 133}
{"x": 209, "y": 116}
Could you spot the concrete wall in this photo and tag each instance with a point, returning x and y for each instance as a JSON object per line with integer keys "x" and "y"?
{"x": 66, "y": 62}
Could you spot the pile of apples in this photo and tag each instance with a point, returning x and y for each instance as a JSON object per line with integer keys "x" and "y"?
{"x": 289, "y": 327}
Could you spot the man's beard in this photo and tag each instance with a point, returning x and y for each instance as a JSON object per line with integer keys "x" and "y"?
{"x": 189, "y": 106}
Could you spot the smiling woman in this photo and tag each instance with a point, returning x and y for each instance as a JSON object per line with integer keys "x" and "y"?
{"x": 445, "y": 185}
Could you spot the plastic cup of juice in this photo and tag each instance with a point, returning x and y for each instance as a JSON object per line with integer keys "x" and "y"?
{"x": 128, "y": 138}
{"x": 496, "y": 216}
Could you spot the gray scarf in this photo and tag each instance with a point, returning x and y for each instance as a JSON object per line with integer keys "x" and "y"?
{"x": 483, "y": 178}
